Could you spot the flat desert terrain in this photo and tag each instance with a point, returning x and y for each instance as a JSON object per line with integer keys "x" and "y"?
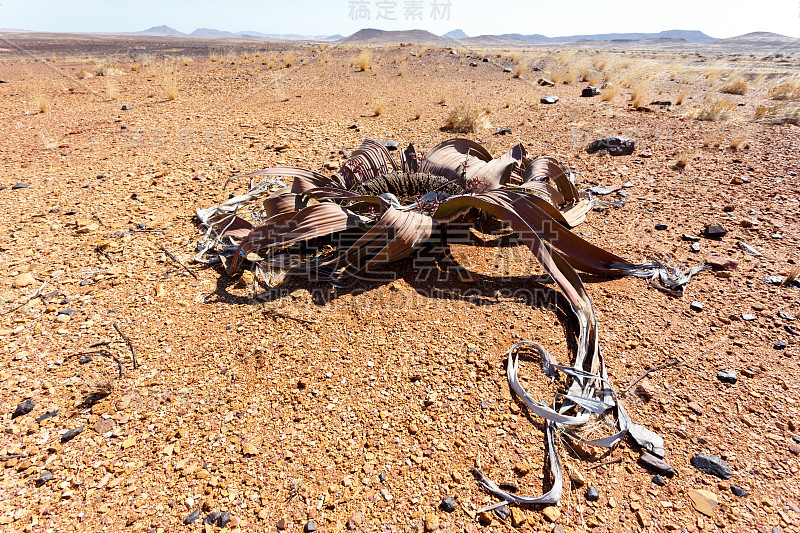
{"x": 364, "y": 407}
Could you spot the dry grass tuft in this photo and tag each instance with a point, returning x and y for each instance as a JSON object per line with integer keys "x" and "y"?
{"x": 639, "y": 95}
{"x": 792, "y": 276}
{"x": 467, "y": 119}
{"x": 714, "y": 111}
{"x": 609, "y": 92}
{"x": 734, "y": 87}
{"x": 364, "y": 60}
{"x": 681, "y": 163}
{"x": 377, "y": 108}
{"x": 112, "y": 89}
{"x": 402, "y": 69}
{"x": 171, "y": 83}
{"x": 777, "y": 114}
{"x": 785, "y": 91}
{"x": 105, "y": 69}
{"x": 83, "y": 74}
{"x": 41, "y": 103}
{"x": 518, "y": 70}
{"x": 681, "y": 98}
{"x": 288, "y": 60}
{"x": 737, "y": 140}
{"x": 417, "y": 114}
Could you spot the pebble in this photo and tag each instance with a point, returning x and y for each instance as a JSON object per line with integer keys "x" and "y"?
{"x": 310, "y": 526}
{"x": 518, "y": 517}
{"x": 690, "y": 238}
{"x": 704, "y": 501}
{"x": 506, "y": 70}
{"x": 85, "y": 360}
{"x": 282, "y": 524}
{"x": 44, "y": 477}
{"x": 192, "y": 518}
{"x": 727, "y": 376}
{"x": 784, "y": 315}
{"x": 714, "y": 231}
{"x": 651, "y": 442}
{"x": 355, "y": 521}
{"x": 23, "y": 408}
{"x": 49, "y": 414}
{"x": 695, "y": 247}
{"x": 589, "y": 91}
{"x": 211, "y": 518}
{"x": 748, "y": 317}
{"x": 795, "y": 449}
{"x": 613, "y": 145}
{"x": 71, "y": 434}
{"x": 104, "y": 425}
{"x": 711, "y": 464}
{"x": 696, "y": 306}
{"x": 390, "y": 145}
{"x": 779, "y": 345}
{"x": 448, "y": 505}
{"x": 661, "y": 226}
{"x": 658, "y": 480}
{"x": 20, "y": 186}
{"x": 224, "y": 519}
{"x": 660, "y": 466}
{"x": 551, "y": 513}
{"x": 23, "y": 280}
{"x": 431, "y": 522}
{"x": 592, "y": 494}
{"x": 738, "y": 491}
{"x": 549, "y": 99}
{"x": 127, "y": 107}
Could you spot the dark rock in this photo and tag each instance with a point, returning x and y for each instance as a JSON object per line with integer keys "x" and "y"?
{"x": 779, "y": 345}
{"x": 666, "y": 103}
{"x": 85, "y": 360}
{"x": 23, "y": 408}
{"x": 44, "y": 477}
{"x": 310, "y": 527}
{"x": 485, "y": 59}
{"x": 739, "y": 491}
{"x": 382, "y": 477}
{"x": 224, "y": 519}
{"x": 655, "y": 464}
{"x": 508, "y": 487}
{"x": 503, "y": 512}
{"x": 690, "y": 238}
{"x": 784, "y": 315}
{"x": 49, "y": 414}
{"x": 448, "y": 505}
{"x": 127, "y": 107}
{"x": 484, "y": 405}
{"x": 502, "y": 131}
{"x": 548, "y": 99}
{"x": 536, "y": 69}
{"x": 790, "y": 330}
{"x": 658, "y": 480}
{"x": 746, "y": 248}
{"x": 727, "y": 376}
{"x": 282, "y": 524}
{"x": 211, "y": 518}
{"x": 613, "y": 145}
{"x": 696, "y": 306}
{"x": 192, "y": 518}
{"x": 661, "y": 226}
{"x": 592, "y": 494}
{"x": 590, "y": 91}
{"x": 68, "y": 312}
{"x": 20, "y": 186}
{"x": 507, "y": 70}
{"x": 710, "y": 464}
{"x": 390, "y": 145}
{"x": 71, "y": 434}
{"x": 695, "y": 247}
{"x": 473, "y": 63}
{"x": 123, "y": 127}
{"x": 647, "y": 440}
{"x": 714, "y": 231}
{"x": 544, "y": 82}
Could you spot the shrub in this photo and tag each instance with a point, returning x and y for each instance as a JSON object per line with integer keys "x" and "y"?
{"x": 734, "y": 87}
{"x": 777, "y": 114}
{"x": 609, "y": 92}
{"x": 714, "y": 111}
{"x": 467, "y": 119}
{"x": 364, "y": 60}
{"x": 518, "y": 69}
{"x": 785, "y": 91}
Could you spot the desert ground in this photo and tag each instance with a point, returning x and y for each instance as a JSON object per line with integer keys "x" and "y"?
{"x": 364, "y": 407}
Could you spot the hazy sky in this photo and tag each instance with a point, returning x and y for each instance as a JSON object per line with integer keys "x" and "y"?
{"x": 475, "y": 17}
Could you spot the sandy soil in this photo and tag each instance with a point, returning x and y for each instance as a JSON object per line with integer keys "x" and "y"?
{"x": 366, "y": 407}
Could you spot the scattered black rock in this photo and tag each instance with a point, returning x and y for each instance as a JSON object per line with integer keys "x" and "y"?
{"x": 49, "y": 414}
{"x": 20, "y": 186}
{"x": 71, "y": 434}
{"x": 592, "y": 494}
{"x": 658, "y": 480}
{"x": 613, "y": 145}
{"x": 508, "y": 487}
{"x": 485, "y": 60}
{"x": 211, "y": 518}
{"x": 647, "y": 440}
{"x": 192, "y": 518}
{"x": 665, "y": 103}
{"x": 746, "y": 248}
{"x": 68, "y": 312}
{"x": 23, "y": 408}
{"x": 549, "y": 99}
{"x": 123, "y": 127}
{"x": 738, "y": 491}
{"x": 503, "y": 131}
{"x": 727, "y": 376}
{"x": 310, "y": 527}
{"x": 661, "y": 226}
{"x": 711, "y": 464}
{"x": 714, "y": 231}
{"x": 784, "y": 315}
{"x": 590, "y": 91}
{"x": 85, "y": 360}
{"x": 127, "y": 107}
{"x": 473, "y": 63}
{"x": 224, "y": 519}
{"x": 696, "y": 306}
{"x": 382, "y": 477}
{"x": 790, "y": 330}
{"x": 507, "y": 70}
{"x": 390, "y": 145}
{"x": 44, "y": 477}
{"x": 448, "y": 505}
{"x": 655, "y": 464}
{"x": 503, "y": 512}
{"x": 779, "y": 345}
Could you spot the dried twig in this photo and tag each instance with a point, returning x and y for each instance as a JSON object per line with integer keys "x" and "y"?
{"x": 104, "y": 353}
{"x": 606, "y": 463}
{"x": 31, "y": 297}
{"x": 169, "y": 254}
{"x": 649, "y": 371}
{"x": 275, "y": 313}
{"x": 129, "y": 343}
{"x": 13, "y": 456}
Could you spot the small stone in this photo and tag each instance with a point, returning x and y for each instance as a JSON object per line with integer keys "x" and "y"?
{"x": 448, "y": 505}
{"x": 23, "y": 280}
{"x": 522, "y": 468}
{"x": 518, "y": 517}
{"x": 696, "y": 306}
{"x": 714, "y": 231}
{"x": 589, "y": 91}
{"x": 390, "y": 145}
{"x": 127, "y": 107}
{"x": 710, "y": 464}
{"x": 544, "y": 82}
{"x": 690, "y": 238}
{"x": 695, "y": 247}
{"x": 23, "y": 408}
{"x": 506, "y": 70}
{"x": 71, "y": 434}
{"x": 282, "y": 524}
{"x": 551, "y": 513}
{"x": 661, "y": 226}
{"x": 784, "y": 315}
{"x": 549, "y": 99}
{"x": 85, "y": 360}
{"x": 249, "y": 448}
{"x": 310, "y": 527}
{"x": 431, "y": 522}
{"x": 592, "y": 494}
{"x": 44, "y": 477}
{"x": 355, "y": 521}
{"x": 613, "y": 145}
{"x": 211, "y": 518}
{"x": 795, "y": 449}
{"x": 704, "y": 501}
{"x": 577, "y": 478}
{"x": 658, "y": 480}
{"x": 659, "y": 466}
{"x": 20, "y": 186}
{"x": 192, "y": 518}
{"x": 727, "y": 376}
{"x": 648, "y": 440}
{"x": 502, "y": 512}
{"x": 224, "y": 519}
{"x": 104, "y": 425}
{"x": 722, "y": 263}
{"x": 779, "y": 345}
{"x": 738, "y": 491}
{"x": 49, "y": 414}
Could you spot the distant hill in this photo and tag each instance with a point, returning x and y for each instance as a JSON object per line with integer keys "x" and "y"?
{"x": 160, "y": 31}
{"x": 455, "y": 34}
{"x": 210, "y": 33}
{"x": 761, "y": 40}
{"x": 493, "y": 40}
{"x": 383, "y": 37}
{"x": 688, "y": 35}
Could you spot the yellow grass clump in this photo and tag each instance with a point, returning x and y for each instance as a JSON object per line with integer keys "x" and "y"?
{"x": 377, "y": 108}
{"x": 518, "y": 70}
{"x": 104, "y": 69}
{"x": 785, "y": 91}
{"x": 288, "y": 60}
{"x": 609, "y": 92}
{"x": 364, "y": 60}
{"x": 467, "y": 119}
{"x": 734, "y": 87}
{"x": 714, "y": 110}
{"x": 41, "y": 102}
{"x": 84, "y": 74}
{"x": 777, "y": 114}
{"x": 639, "y": 95}
{"x": 112, "y": 89}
